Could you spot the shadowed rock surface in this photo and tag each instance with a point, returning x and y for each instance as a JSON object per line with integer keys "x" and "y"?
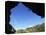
{"x": 37, "y": 8}
{"x": 8, "y": 27}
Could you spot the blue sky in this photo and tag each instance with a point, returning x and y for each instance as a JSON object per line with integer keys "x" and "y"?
{"x": 21, "y": 17}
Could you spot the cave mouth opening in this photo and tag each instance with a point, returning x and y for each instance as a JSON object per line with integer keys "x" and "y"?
{"x": 9, "y": 6}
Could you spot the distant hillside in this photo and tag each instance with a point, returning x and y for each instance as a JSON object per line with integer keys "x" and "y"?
{"x": 37, "y": 28}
